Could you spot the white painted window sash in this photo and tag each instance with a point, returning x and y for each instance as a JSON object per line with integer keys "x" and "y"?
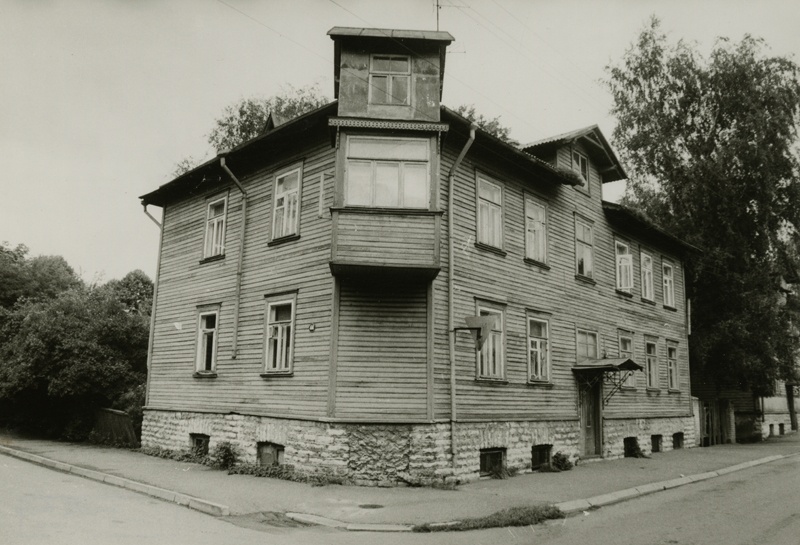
{"x": 538, "y": 352}
{"x": 207, "y": 342}
{"x": 285, "y": 212}
{"x": 491, "y": 358}
{"x": 669, "y": 285}
{"x": 215, "y": 229}
{"x": 651, "y": 363}
{"x": 279, "y": 338}
{"x": 672, "y": 362}
{"x": 647, "y": 277}
{"x": 624, "y": 267}
{"x": 536, "y": 231}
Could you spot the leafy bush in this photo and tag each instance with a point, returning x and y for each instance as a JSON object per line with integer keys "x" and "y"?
{"x": 561, "y": 462}
{"x": 516, "y": 516}
{"x": 224, "y": 455}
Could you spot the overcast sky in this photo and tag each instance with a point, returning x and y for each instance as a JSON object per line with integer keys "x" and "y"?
{"x": 100, "y": 99}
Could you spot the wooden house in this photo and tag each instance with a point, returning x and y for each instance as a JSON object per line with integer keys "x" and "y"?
{"x": 313, "y": 285}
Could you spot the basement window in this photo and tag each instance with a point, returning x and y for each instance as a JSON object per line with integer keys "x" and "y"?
{"x": 677, "y": 440}
{"x": 631, "y": 447}
{"x": 493, "y": 460}
{"x": 540, "y": 456}
{"x": 200, "y": 443}
{"x": 269, "y": 454}
{"x": 656, "y": 442}
{"x": 780, "y": 429}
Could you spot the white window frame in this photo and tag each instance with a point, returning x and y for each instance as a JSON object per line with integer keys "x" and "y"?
{"x": 352, "y": 159}
{"x": 490, "y": 214}
{"x": 538, "y": 349}
{"x": 624, "y": 262}
{"x": 669, "y": 284}
{"x": 391, "y": 76}
{"x": 278, "y": 349}
{"x": 646, "y": 262}
{"x": 535, "y": 230}
{"x": 672, "y": 366}
{"x": 202, "y": 342}
{"x": 584, "y": 249}
{"x": 580, "y": 164}
{"x": 651, "y": 363}
{"x": 214, "y": 242}
{"x": 487, "y": 370}
{"x": 630, "y": 379}
{"x": 588, "y": 333}
{"x": 288, "y": 202}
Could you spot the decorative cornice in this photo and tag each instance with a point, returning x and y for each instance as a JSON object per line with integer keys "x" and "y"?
{"x": 387, "y": 124}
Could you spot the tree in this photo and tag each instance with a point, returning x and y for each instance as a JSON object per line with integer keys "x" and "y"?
{"x": 38, "y": 277}
{"x": 245, "y": 119}
{"x": 710, "y": 147}
{"x": 492, "y": 126}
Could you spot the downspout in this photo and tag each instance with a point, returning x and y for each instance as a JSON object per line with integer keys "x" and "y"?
{"x": 240, "y": 260}
{"x": 153, "y": 306}
{"x": 450, "y": 288}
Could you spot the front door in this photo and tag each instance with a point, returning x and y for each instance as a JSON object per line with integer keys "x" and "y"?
{"x": 591, "y": 418}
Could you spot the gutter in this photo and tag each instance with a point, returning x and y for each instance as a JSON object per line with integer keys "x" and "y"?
{"x": 151, "y": 338}
{"x": 240, "y": 259}
{"x": 450, "y": 288}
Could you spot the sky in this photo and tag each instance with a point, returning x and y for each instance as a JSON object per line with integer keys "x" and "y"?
{"x": 99, "y": 99}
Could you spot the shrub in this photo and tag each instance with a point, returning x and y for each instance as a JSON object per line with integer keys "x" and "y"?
{"x": 224, "y": 456}
{"x": 516, "y": 516}
{"x": 561, "y": 462}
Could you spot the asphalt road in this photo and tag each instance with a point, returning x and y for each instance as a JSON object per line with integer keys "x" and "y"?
{"x": 755, "y": 506}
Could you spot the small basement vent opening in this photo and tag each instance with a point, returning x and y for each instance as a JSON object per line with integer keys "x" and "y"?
{"x": 677, "y": 440}
{"x": 656, "y": 442}
{"x": 632, "y": 449}
{"x": 540, "y": 456}
{"x": 772, "y": 430}
{"x": 269, "y": 454}
{"x": 493, "y": 461}
{"x": 781, "y": 429}
{"x": 200, "y": 442}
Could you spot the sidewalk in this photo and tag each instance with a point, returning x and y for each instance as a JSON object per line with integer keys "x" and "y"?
{"x": 221, "y": 494}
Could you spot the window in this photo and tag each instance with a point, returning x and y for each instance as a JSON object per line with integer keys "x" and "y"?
{"x": 624, "y": 267}
{"x": 492, "y": 461}
{"x": 672, "y": 366}
{"x": 647, "y": 277}
{"x": 584, "y": 251}
{"x": 580, "y": 163}
{"x": 389, "y": 79}
{"x": 587, "y": 345}
{"x": 387, "y": 172}
{"x": 626, "y": 351}
{"x": 490, "y": 213}
{"x": 207, "y": 342}
{"x": 215, "y": 228}
{"x": 669, "y": 285}
{"x": 540, "y": 456}
{"x": 199, "y": 442}
{"x": 490, "y": 358}
{"x": 538, "y": 350}
{"x": 286, "y": 204}
{"x": 269, "y": 454}
{"x": 280, "y": 328}
{"x": 651, "y": 364}
{"x": 535, "y": 231}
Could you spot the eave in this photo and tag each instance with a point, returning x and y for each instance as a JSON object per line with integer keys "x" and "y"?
{"x": 632, "y": 222}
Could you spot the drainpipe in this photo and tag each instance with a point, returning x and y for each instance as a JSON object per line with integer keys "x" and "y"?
{"x": 451, "y": 290}
{"x": 240, "y": 259}
{"x": 153, "y": 308}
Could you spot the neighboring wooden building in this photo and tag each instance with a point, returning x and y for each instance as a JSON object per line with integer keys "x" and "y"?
{"x": 310, "y": 282}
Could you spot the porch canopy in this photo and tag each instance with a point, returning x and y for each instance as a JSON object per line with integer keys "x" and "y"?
{"x": 611, "y": 370}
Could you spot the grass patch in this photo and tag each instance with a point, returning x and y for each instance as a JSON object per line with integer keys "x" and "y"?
{"x": 515, "y": 516}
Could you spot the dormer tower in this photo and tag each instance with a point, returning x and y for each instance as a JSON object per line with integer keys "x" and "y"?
{"x": 389, "y": 74}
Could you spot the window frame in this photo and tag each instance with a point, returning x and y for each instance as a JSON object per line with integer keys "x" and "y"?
{"x": 271, "y": 302}
{"x": 390, "y": 78}
{"x": 673, "y": 374}
{"x": 630, "y": 380}
{"x": 651, "y": 363}
{"x": 350, "y": 159}
{"x": 580, "y": 244}
{"x": 201, "y": 353}
{"x": 545, "y": 353}
{"x": 497, "y": 336}
{"x": 668, "y": 283}
{"x": 298, "y": 192}
{"x": 579, "y": 164}
{"x": 499, "y": 222}
{"x": 208, "y": 239}
{"x": 648, "y": 284}
{"x": 588, "y": 332}
{"x": 541, "y": 255}
{"x": 619, "y": 259}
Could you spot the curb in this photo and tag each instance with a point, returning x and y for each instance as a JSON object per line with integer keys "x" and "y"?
{"x": 207, "y": 507}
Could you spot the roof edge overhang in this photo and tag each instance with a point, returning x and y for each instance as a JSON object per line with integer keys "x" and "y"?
{"x": 631, "y": 221}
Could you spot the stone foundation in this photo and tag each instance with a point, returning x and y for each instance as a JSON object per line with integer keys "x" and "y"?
{"x": 397, "y": 454}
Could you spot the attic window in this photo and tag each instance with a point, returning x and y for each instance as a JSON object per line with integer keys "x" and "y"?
{"x": 389, "y": 79}
{"x": 580, "y": 163}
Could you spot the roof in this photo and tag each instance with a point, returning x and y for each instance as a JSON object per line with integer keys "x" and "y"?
{"x": 598, "y": 147}
{"x": 429, "y": 35}
{"x": 637, "y": 223}
{"x": 607, "y": 364}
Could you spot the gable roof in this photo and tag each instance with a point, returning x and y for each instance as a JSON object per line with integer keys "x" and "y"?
{"x": 597, "y": 146}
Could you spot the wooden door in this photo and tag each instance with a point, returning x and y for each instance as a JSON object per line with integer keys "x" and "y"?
{"x": 591, "y": 418}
